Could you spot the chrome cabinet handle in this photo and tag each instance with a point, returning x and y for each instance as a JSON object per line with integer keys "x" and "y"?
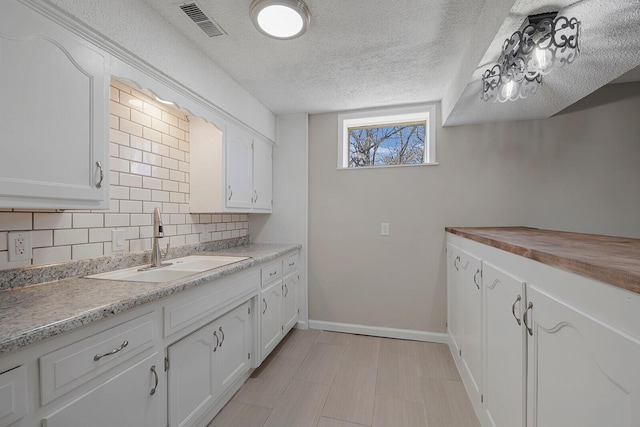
{"x": 265, "y": 306}
{"x": 221, "y": 333}
{"x": 475, "y": 278}
{"x": 215, "y": 334}
{"x": 99, "y": 184}
{"x": 117, "y": 350}
{"x": 255, "y": 199}
{"x": 286, "y": 291}
{"x": 513, "y": 309}
{"x": 155, "y": 386}
{"x": 230, "y": 192}
{"x": 524, "y": 318}
{"x": 455, "y": 263}
{"x": 291, "y": 264}
{"x": 274, "y": 273}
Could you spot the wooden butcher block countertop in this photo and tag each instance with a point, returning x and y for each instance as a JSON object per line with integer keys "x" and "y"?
{"x": 613, "y": 260}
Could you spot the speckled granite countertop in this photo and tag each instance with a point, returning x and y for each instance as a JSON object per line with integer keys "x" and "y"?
{"x": 613, "y": 260}
{"x": 32, "y": 313}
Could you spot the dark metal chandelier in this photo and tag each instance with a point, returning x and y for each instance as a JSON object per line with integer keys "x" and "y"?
{"x": 543, "y": 43}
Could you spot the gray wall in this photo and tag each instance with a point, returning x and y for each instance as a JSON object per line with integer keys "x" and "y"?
{"x": 578, "y": 171}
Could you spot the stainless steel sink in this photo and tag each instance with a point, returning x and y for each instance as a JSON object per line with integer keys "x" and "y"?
{"x": 177, "y": 269}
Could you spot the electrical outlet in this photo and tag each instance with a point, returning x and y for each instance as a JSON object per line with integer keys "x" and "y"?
{"x": 384, "y": 229}
{"x": 19, "y": 245}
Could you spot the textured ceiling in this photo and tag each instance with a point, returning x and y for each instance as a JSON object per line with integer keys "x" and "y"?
{"x": 369, "y": 53}
{"x": 356, "y": 53}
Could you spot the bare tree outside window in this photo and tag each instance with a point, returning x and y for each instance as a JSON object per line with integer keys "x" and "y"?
{"x": 385, "y": 145}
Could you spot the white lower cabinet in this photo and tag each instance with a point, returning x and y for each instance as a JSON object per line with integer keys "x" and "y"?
{"x": 558, "y": 349}
{"x": 271, "y": 325}
{"x": 289, "y": 301}
{"x": 205, "y": 363}
{"x": 13, "y": 395}
{"x": 465, "y": 315}
{"x": 582, "y": 372}
{"x": 127, "y": 399}
{"x": 505, "y": 347}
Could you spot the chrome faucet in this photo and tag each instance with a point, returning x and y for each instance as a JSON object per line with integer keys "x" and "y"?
{"x": 158, "y": 233}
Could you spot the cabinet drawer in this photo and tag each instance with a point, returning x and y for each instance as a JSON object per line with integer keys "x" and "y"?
{"x": 75, "y": 364}
{"x": 271, "y": 272}
{"x": 206, "y": 301}
{"x": 290, "y": 263}
{"x": 13, "y": 395}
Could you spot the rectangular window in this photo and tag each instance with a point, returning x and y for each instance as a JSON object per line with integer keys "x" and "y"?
{"x": 398, "y": 137}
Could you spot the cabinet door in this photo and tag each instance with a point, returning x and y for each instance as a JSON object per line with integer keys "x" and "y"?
{"x": 505, "y": 347}
{"x": 191, "y": 377}
{"x": 262, "y": 175}
{"x": 290, "y": 301}
{"x": 232, "y": 353}
{"x": 582, "y": 372}
{"x": 470, "y": 294}
{"x": 124, "y": 400}
{"x": 53, "y": 115}
{"x": 239, "y": 168}
{"x": 271, "y": 324}
{"x": 453, "y": 301}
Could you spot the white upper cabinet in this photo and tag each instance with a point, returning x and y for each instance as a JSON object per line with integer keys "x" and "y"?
{"x": 53, "y": 115}
{"x": 231, "y": 171}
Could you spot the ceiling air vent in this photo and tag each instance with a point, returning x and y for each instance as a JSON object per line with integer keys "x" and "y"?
{"x": 210, "y": 27}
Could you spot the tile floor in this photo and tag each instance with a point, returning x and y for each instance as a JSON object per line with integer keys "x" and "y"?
{"x": 326, "y": 379}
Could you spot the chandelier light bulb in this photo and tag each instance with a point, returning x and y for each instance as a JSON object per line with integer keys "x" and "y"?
{"x": 541, "y": 60}
{"x": 508, "y": 89}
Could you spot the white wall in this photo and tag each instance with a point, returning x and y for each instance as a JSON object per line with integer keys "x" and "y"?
{"x": 576, "y": 172}
{"x": 288, "y": 222}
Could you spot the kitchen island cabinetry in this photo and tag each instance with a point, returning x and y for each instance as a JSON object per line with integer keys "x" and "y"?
{"x": 559, "y": 348}
{"x": 54, "y": 120}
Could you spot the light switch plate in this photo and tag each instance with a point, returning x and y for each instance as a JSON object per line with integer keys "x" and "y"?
{"x": 384, "y": 229}
{"x": 117, "y": 241}
{"x": 19, "y": 245}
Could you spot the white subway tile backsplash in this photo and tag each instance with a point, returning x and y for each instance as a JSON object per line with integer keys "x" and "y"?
{"x": 170, "y": 230}
{"x": 174, "y": 153}
{"x": 177, "y": 175}
{"x": 140, "y": 169}
{"x": 119, "y": 192}
{"x": 152, "y": 183}
{"x": 184, "y": 229}
{"x": 49, "y": 221}
{"x": 169, "y": 119}
{"x": 116, "y": 220}
{"x": 132, "y": 233}
{"x": 170, "y": 186}
{"x": 128, "y": 153}
{"x": 141, "y": 219}
{"x": 140, "y": 194}
{"x": 152, "y": 159}
{"x": 183, "y": 166}
{"x": 139, "y": 245}
{"x": 146, "y": 231}
{"x": 153, "y": 111}
{"x": 176, "y": 132}
{"x": 6, "y": 264}
{"x": 100, "y": 235}
{"x": 170, "y": 141}
{"x": 131, "y": 206}
{"x": 90, "y": 250}
{"x": 148, "y": 207}
{"x": 141, "y": 118}
{"x": 114, "y": 94}
{"x": 160, "y": 196}
{"x": 119, "y": 137}
{"x": 141, "y": 143}
{"x": 88, "y": 220}
{"x": 15, "y": 221}
{"x": 160, "y": 149}
{"x": 51, "y": 255}
{"x": 118, "y": 165}
{"x": 191, "y": 239}
{"x": 130, "y": 127}
{"x": 184, "y": 125}
{"x": 159, "y": 172}
{"x": 169, "y": 163}
{"x": 114, "y": 122}
{"x": 151, "y": 134}
{"x": 130, "y": 180}
{"x": 178, "y": 197}
{"x": 159, "y": 125}
{"x": 119, "y": 110}
{"x": 227, "y": 217}
{"x": 70, "y": 237}
{"x": 178, "y": 240}
{"x": 170, "y": 208}
{"x": 114, "y": 149}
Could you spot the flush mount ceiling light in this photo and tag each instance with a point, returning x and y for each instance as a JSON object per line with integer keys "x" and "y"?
{"x": 280, "y": 19}
{"x": 543, "y": 43}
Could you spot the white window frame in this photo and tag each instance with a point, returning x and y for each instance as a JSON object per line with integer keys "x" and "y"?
{"x": 390, "y": 116}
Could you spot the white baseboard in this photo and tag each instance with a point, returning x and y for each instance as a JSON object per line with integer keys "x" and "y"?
{"x": 407, "y": 334}
{"x": 302, "y": 325}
